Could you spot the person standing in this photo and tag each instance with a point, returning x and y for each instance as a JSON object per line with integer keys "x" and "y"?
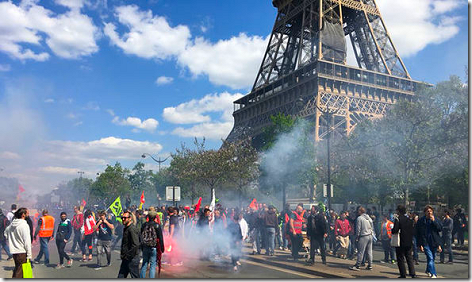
{"x": 405, "y": 225}
{"x": 63, "y": 234}
{"x": 77, "y": 224}
{"x": 19, "y": 241}
{"x": 270, "y": 225}
{"x": 447, "y": 226}
{"x": 45, "y": 230}
{"x": 428, "y": 228}
{"x": 105, "y": 231}
{"x": 341, "y": 231}
{"x": 10, "y": 214}
{"x": 244, "y": 226}
{"x": 87, "y": 239}
{"x": 460, "y": 223}
{"x": 296, "y": 224}
{"x": 152, "y": 245}
{"x": 174, "y": 235}
{"x": 236, "y": 239}
{"x": 129, "y": 248}
{"x": 385, "y": 237}
{"x": 364, "y": 237}
{"x": 3, "y": 241}
{"x": 317, "y": 231}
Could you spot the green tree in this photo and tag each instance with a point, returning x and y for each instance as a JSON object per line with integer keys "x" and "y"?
{"x": 110, "y": 184}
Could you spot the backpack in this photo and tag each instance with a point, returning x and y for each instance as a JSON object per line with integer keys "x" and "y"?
{"x": 149, "y": 236}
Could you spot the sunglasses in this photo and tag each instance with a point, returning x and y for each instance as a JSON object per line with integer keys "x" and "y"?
{"x": 124, "y": 217}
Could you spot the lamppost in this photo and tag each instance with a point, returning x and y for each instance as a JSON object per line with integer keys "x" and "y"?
{"x": 159, "y": 161}
{"x": 328, "y": 114}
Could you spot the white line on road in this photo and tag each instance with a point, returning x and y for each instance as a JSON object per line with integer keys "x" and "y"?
{"x": 280, "y": 269}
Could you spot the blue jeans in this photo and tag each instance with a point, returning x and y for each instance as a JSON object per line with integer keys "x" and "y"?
{"x": 415, "y": 249}
{"x": 270, "y": 242}
{"x": 4, "y": 245}
{"x": 447, "y": 239}
{"x": 43, "y": 249}
{"x": 430, "y": 256}
{"x": 149, "y": 257}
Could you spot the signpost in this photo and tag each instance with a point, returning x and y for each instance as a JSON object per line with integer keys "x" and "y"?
{"x": 173, "y": 194}
{"x": 325, "y": 191}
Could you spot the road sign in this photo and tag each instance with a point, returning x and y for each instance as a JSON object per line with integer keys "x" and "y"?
{"x": 170, "y": 196}
{"x": 325, "y": 190}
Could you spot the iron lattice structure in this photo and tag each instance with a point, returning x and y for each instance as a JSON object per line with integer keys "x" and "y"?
{"x": 304, "y": 71}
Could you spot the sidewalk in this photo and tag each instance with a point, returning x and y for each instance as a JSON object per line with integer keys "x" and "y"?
{"x": 335, "y": 267}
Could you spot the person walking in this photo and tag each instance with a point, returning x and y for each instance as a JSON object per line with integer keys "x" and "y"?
{"x": 87, "y": 239}
{"x": 447, "y": 226}
{"x": 296, "y": 224}
{"x": 152, "y": 244}
{"x": 129, "y": 248}
{"x": 385, "y": 237}
{"x": 364, "y": 237}
{"x": 45, "y": 230}
{"x": 19, "y": 241}
{"x": 341, "y": 231}
{"x": 4, "y": 222}
{"x": 460, "y": 224}
{"x": 105, "y": 231}
{"x": 77, "y": 224}
{"x": 63, "y": 234}
{"x": 235, "y": 240}
{"x": 317, "y": 231}
{"x": 11, "y": 213}
{"x": 405, "y": 225}
{"x": 270, "y": 224}
{"x": 428, "y": 228}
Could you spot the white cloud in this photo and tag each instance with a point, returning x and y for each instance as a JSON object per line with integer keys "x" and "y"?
{"x": 72, "y": 4}
{"x": 111, "y": 112}
{"x": 149, "y": 36}
{"x": 413, "y": 25}
{"x": 92, "y": 106}
{"x": 7, "y": 155}
{"x": 72, "y": 116}
{"x": 5, "y": 67}
{"x": 149, "y": 124}
{"x": 195, "y": 111}
{"x": 233, "y": 62}
{"x": 69, "y": 35}
{"x": 215, "y": 131}
{"x": 162, "y": 80}
{"x": 49, "y": 101}
{"x": 59, "y": 170}
{"x": 78, "y": 123}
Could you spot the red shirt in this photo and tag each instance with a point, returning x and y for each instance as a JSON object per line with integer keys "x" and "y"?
{"x": 342, "y": 227}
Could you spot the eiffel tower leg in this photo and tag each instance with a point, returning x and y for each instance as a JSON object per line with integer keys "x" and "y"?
{"x": 317, "y": 118}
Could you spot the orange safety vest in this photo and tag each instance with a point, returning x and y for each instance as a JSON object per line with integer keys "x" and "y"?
{"x": 298, "y": 223}
{"x": 389, "y": 229}
{"x": 47, "y": 226}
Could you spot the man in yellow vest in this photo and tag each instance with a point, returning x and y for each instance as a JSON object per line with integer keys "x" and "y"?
{"x": 45, "y": 230}
{"x": 385, "y": 237}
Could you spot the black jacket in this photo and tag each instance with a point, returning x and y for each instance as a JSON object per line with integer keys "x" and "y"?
{"x": 269, "y": 219}
{"x": 316, "y": 225}
{"x": 158, "y": 232}
{"x": 129, "y": 243}
{"x": 407, "y": 230}
{"x": 422, "y": 237}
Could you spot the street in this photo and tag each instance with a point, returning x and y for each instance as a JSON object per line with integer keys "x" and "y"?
{"x": 253, "y": 266}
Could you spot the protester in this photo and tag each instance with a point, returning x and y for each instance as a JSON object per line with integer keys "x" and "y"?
{"x": 152, "y": 245}
{"x": 270, "y": 224}
{"x": 447, "y": 227}
{"x": 317, "y": 230}
{"x": 175, "y": 235}
{"x": 63, "y": 234}
{"x": 296, "y": 224}
{"x": 203, "y": 229}
{"x": 244, "y": 226}
{"x": 342, "y": 229}
{"x": 4, "y": 222}
{"x": 45, "y": 231}
{"x": 129, "y": 248}
{"x": 77, "y": 224}
{"x": 405, "y": 225}
{"x": 254, "y": 230}
{"x": 236, "y": 239}
{"x": 385, "y": 237}
{"x": 19, "y": 241}
{"x": 105, "y": 231}
{"x": 364, "y": 237}
{"x": 87, "y": 239}
{"x": 429, "y": 241}
{"x": 460, "y": 226}
{"x": 414, "y": 217}
{"x": 11, "y": 213}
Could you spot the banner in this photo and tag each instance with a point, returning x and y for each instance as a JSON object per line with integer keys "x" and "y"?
{"x": 116, "y": 208}
{"x": 197, "y": 206}
{"x": 20, "y": 189}
{"x": 253, "y": 204}
{"x": 141, "y": 201}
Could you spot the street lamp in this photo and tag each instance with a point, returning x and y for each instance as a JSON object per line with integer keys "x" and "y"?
{"x": 328, "y": 114}
{"x": 159, "y": 161}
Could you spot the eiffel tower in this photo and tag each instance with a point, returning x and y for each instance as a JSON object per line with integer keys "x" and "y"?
{"x": 304, "y": 71}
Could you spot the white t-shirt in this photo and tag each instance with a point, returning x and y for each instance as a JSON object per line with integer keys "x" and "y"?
{"x": 244, "y": 228}
{"x": 10, "y": 215}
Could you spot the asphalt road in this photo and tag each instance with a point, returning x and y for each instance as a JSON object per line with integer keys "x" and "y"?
{"x": 258, "y": 266}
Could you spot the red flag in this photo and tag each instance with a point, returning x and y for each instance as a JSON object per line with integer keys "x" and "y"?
{"x": 83, "y": 203}
{"x": 253, "y": 204}
{"x": 20, "y": 189}
{"x": 142, "y": 198}
{"x": 197, "y": 206}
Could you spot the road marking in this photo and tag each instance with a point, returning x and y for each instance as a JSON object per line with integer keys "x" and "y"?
{"x": 280, "y": 269}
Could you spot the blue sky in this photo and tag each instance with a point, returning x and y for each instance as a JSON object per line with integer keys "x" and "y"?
{"x": 85, "y": 83}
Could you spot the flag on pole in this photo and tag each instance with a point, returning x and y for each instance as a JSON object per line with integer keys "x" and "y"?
{"x": 212, "y": 204}
{"x": 141, "y": 201}
{"x": 253, "y": 204}
{"x": 83, "y": 203}
{"x": 20, "y": 189}
{"x": 197, "y": 206}
{"x": 116, "y": 208}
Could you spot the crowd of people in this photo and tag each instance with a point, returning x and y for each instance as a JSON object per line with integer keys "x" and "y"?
{"x": 222, "y": 231}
